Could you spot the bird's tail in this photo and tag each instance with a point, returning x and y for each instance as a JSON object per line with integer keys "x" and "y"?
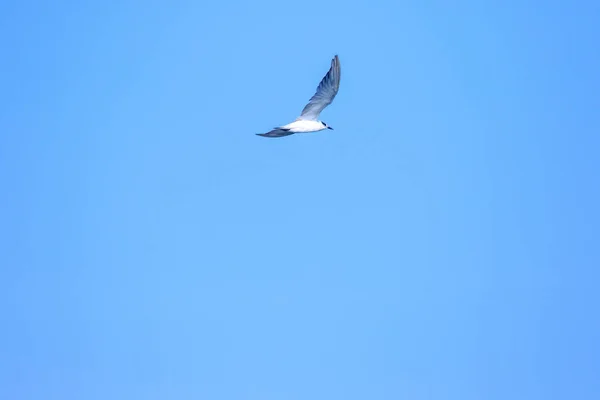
{"x": 277, "y": 132}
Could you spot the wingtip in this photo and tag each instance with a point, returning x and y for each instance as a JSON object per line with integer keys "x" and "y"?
{"x": 335, "y": 62}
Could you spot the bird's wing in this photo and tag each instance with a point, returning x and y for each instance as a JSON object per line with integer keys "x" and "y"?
{"x": 325, "y": 94}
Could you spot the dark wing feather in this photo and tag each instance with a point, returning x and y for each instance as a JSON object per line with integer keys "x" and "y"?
{"x": 277, "y": 132}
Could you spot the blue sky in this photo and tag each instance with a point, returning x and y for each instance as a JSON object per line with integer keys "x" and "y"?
{"x": 440, "y": 243}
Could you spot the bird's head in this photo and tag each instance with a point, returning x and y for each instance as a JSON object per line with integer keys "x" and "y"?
{"x": 326, "y": 126}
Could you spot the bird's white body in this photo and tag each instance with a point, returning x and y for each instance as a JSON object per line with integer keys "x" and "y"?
{"x": 302, "y": 126}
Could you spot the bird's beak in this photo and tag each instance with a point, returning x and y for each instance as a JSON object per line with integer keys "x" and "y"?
{"x": 329, "y": 128}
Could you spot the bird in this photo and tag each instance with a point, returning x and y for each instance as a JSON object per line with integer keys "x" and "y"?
{"x": 308, "y": 121}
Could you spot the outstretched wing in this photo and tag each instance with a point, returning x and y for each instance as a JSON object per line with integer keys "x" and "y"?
{"x": 276, "y": 132}
{"x": 325, "y": 94}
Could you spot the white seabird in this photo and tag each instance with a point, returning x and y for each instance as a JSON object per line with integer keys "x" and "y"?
{"x": 308, "y": 121}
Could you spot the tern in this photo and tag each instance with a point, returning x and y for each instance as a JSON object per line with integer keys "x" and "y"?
{"x": 309, "y": 121}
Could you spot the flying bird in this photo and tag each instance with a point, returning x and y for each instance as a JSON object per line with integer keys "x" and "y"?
{"x": 308, "y": 121}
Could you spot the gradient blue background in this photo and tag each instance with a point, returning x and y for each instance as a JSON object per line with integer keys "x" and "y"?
{"x": 441, "y": 243}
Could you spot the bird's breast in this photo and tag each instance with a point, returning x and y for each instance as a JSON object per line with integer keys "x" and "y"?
{"x": 304, "y": 126}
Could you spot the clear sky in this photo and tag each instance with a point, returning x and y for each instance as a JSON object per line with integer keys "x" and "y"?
{"x": 441, "y": 243}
